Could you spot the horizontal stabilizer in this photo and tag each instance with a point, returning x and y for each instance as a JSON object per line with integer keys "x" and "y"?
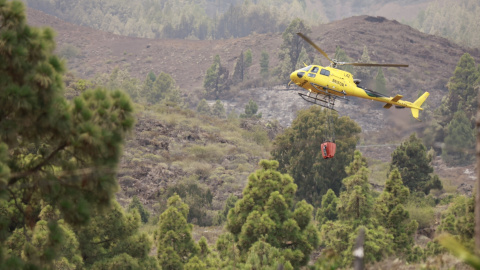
{"x": 387, "y": 106}
{"x": 419, "y": 103}
{"x": 397, "y": 98}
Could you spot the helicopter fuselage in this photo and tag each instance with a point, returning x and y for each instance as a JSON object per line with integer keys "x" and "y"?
{"x": 329, "y": 80}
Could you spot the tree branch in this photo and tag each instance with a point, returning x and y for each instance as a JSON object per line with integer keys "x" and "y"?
{"x": 18, "y": 176}
{"x": 22, "y": 212}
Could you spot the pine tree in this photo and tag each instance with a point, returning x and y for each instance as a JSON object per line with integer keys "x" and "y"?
{"x": 298, "y": 152}
{"x": 52, "y": 151}
{"x": 239, "y": 70}
{"x": 356, "y": 202}
{"x": 391, "y": 212}
{"x": 174, "y": 236}
{"x": 147, "y": 86}
{"x": 459, "y": 219}
{"x": 248, "y": 59}
{"x": 207, "y": 256}
{"x": 199, "y": 197}
{"x": 364, "y": 73}
{"x": 229, "y": 204}
{"x": 216, "y": 79}
{"x": 264, "y": 64}
{"x": 461, "y": 90}
{"x": 355, "y": 211}
{"x": 342, "y": 56}
{"x": 328, "y": 209}
{"x": 263, "y": 214}
{"x": 195, "y": 264}
{"x": 459, "y": 141}
{"x": 52, "y": 242}
{"x": 218, "y": 110}
{"x": 163, "y": 86}
{"x": 203, "y": 108}
{"x": 302, "y": 59}
{"x": 291, "y": 47}
{"x": 251, "y": 110}
{"x": 413, "y": 162}
{"x": 380, "y": 84}
{"x": 112, "y": 234}
{"x": 263, "y": 256}
{"x": 138, "y": 206}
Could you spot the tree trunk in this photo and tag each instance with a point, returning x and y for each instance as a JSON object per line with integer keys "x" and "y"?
{"x": 477, "y": 195}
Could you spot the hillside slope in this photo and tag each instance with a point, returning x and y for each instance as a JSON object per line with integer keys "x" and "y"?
{"x": 432, "y": 59}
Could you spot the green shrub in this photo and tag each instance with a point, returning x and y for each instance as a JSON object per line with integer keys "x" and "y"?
{"x": 210, "y": 152}
{"x": 152, "y": 158}
{"x": 196, "y": 195}
{"x": 423, "y": 214}
{"x": 257, "y": 135}
{"x": 68, "y": 51}
{"x": 245, "y": 167}
{"x": 201, "y": 169}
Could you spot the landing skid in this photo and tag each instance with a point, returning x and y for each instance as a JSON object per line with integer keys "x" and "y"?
{"x": 320, "y": 99}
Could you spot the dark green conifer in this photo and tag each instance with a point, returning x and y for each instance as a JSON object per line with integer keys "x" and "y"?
{"x": 380, "y": 83}
{"x": 342, "y": 56}
{"x": 216, "y": 79}
{"x": 248, "y": 59}
{"x": 391, "y": 213}
{"x": 218, "y": 110}
{"x": 163, "y": 86}
{"x": 461, "y": 90}
{"x": 459, "y": 141}
{"x": 328, "y": 209}
{"x": 356, "y": 202}
{"x": 298, "y": 152}
{"x": 52, "y": 151}
{"x": 174, "y": 236}
{"x": 264, "y": 64}
{"x": 291, "y": 47}
{"x": 114, "y": 233}
{"x": 204, "y": 108}
{"x": 264, "y": 256}
{"x": 355, "y": 211}
{"x": 364, "y": 73}
{"x": 229, "y": 204}
{"x": 459, "y": 219}
{"x": 413, "y": 163}
{"x": 263, "y": 214}
{"x": 239, "y": 69}
{"x": 251, "y": 110}
{"x": 138, "y": 206}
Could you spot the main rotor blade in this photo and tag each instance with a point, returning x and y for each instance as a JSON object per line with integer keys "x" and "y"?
{"x": 371, "y": 65}
{"x": 314, "y": 45}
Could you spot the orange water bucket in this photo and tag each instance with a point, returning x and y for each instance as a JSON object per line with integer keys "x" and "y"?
{"x": 328, "y": 149}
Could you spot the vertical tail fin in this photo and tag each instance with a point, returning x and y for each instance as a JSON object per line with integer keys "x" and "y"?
{"x": 418, "y": 103}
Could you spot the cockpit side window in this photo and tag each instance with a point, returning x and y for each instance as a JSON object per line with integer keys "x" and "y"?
{"x": 306, "y": 68}
{"x": 325, "y": 72}
{"x": 314, "y": 70}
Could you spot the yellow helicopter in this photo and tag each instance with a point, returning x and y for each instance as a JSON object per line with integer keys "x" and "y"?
{"x": 325, "y": 84}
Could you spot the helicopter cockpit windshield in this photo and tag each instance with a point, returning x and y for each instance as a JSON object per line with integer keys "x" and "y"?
{"x": 307, "y": 68}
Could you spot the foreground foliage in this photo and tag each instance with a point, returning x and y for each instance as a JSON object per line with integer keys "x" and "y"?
{"x": 385, "y": 220}
{"x": 262, "y": 222}
{"x": 53, "y": 153}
